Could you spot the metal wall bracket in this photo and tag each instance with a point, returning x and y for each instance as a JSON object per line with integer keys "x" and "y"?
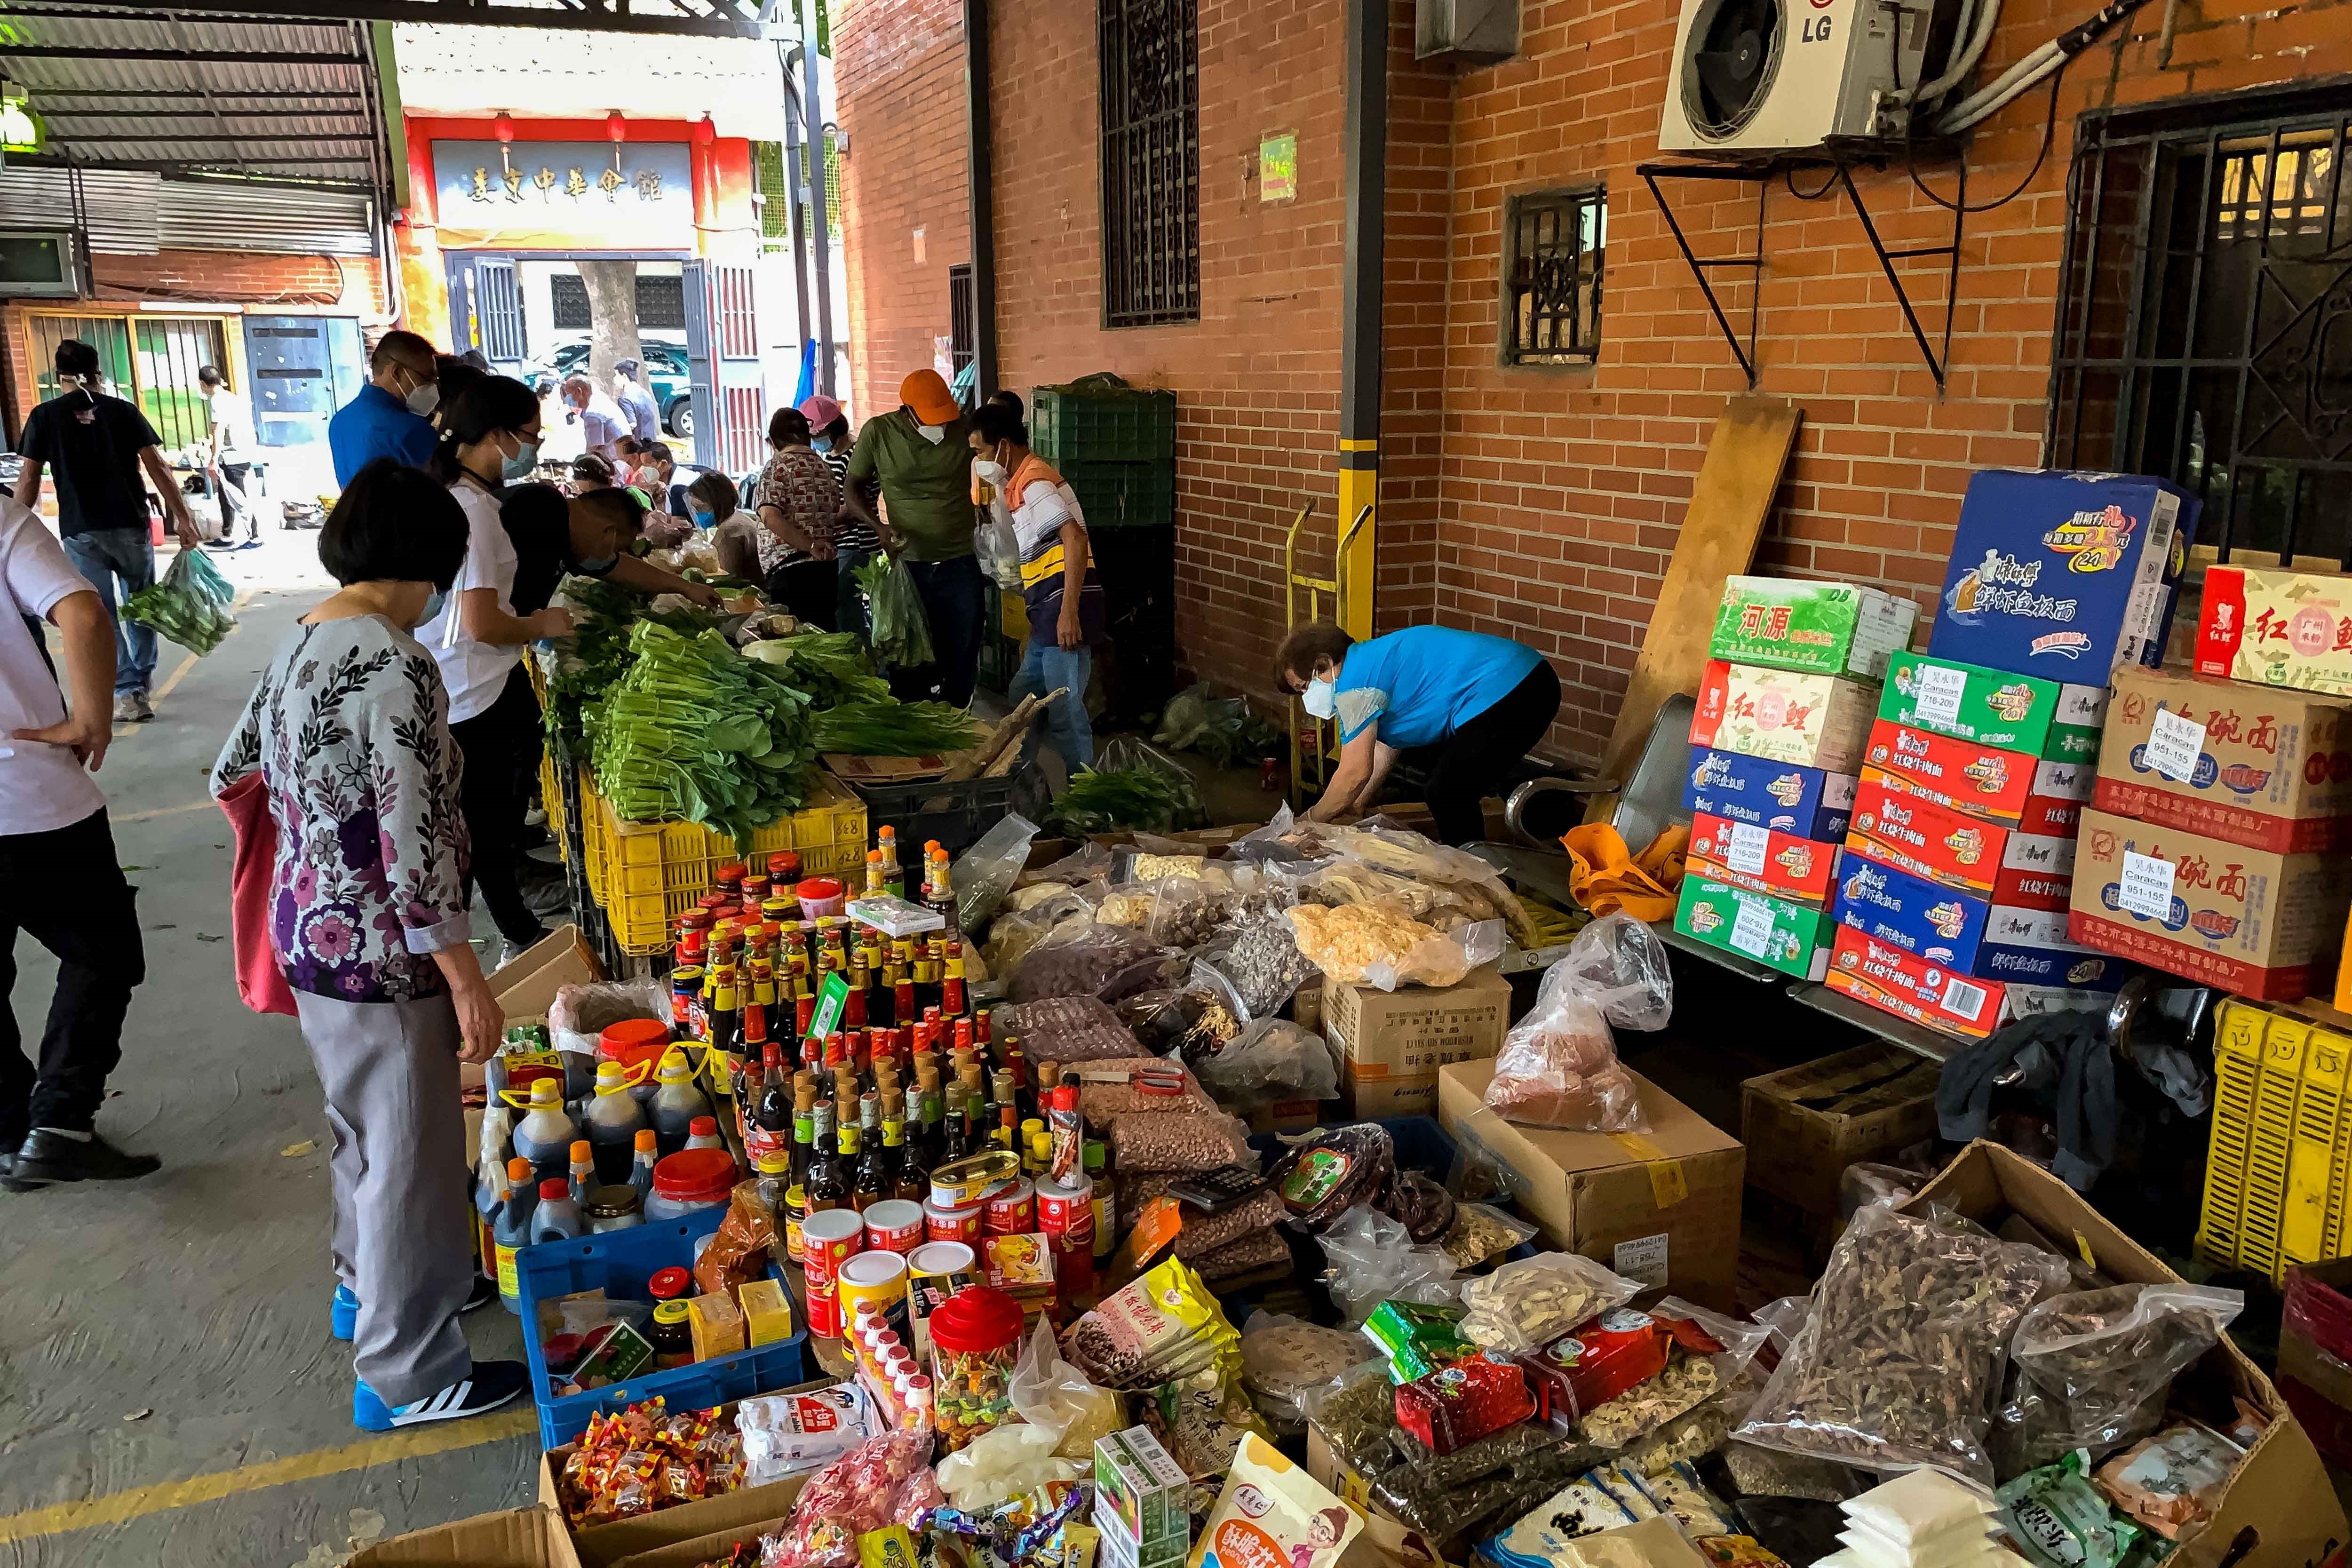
{"x": 1841, "y": 176}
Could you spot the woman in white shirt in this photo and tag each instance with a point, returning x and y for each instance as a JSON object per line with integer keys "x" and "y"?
{"x": 490, "y": 435}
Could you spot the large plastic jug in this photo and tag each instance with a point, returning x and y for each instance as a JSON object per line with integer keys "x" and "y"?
{"x": 676, "y": 1102}
{"x": 557, "y": 1219}
{"x": 613, "y": 1119}
{"x": 545, "y": 1135}
{"x": 512, "y": 1228}
{"x": 490, "y": 1172}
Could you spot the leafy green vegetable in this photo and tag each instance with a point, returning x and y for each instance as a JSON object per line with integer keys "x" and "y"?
{"x": 889, "y": 729}
{"x": 598, "y": 652}
{"x": 1145, "y": 798}
{"x": 831, "y": 667}
{"x": 190, "y": 604}
{"x": 901, "y": 632}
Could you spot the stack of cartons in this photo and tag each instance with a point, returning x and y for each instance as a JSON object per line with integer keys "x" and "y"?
{"x": 1140, "y": 1502}
{"x": 1782, "y": 712}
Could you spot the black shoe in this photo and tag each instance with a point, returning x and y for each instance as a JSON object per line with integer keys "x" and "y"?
{"x": 486, "y": 1291}
{"x": 487, "y": 1386}
{"x": 46, "y": 1157}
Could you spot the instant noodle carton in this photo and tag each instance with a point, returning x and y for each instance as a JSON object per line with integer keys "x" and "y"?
{"x": 1983, "y": 781}
{"x": 1782, "y": 715}
{"x": 2277, "y": 627}
{"x": 1829, "y": 628}
{"x": 2254, "y": 766}
{"x": 1914, "y": 834}
{"x": 2037, "y": 872}
{"x": 1762, "y": 860}
{"x": 1914, "y": 988}
{"x": 2068, "y": 577}
{"x": 2255, "y": 921}
{"x": 1922, "y": 918}
{"x": 1782, "y": 797}
{"x": 2030, "y": 947}
{"x": 1994, "y": 708}
{"x": 1782, "y": 935}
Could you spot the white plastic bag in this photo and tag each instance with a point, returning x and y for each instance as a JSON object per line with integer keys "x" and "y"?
{"x": 581, "y": 1013}
{"x": 1558, "y": 1065}
{"x": 1053, "y": 1396}
{"x": 1374, "y": 1260}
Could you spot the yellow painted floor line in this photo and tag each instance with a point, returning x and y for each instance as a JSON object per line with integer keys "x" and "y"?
{"x": 119, "y": 1507}
{"x": 166, "y": 811}
{"x": 173, "y": 680}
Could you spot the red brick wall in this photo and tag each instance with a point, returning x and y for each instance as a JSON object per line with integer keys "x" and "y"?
{"x": 900, "y": 67}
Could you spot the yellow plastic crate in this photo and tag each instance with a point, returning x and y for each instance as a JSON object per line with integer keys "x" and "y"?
{"x": 646, "y": 874}
{"x": 2277, "y": 1090}
{"x": 551, "y": 797}
{"x": 2237, "y": 1064}
{"x": 2312, "y": 1222}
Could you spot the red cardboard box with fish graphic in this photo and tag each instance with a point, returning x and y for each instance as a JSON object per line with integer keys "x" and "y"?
{"x": 1914, "y": 988}
{"x": 1801, "y": 870}
{"x": 2258, "y": 765}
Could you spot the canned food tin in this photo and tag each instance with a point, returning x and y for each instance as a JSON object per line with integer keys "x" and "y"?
{"x": 824, "y": 1312}
{"x": 877, "y": 1276}
{"x": 1013, "y": 1211}
{"x": 935, "y": 1271}
{"x": 894, "y": 1225}
{"x": 795, "y": 1210}
{"x": 941, "y": 1223}
{"x": 960, "y": 1183}
{"x": 829, "y": 1238}
{"x": 1067, "y": 1209}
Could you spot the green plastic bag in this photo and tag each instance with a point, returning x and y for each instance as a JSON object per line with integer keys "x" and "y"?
{"x": 190, "y": 604}
{"x": 901, "y": 633}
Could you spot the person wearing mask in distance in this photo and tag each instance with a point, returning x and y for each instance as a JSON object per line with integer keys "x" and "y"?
{"x": 602, "y": 423}
{"x": 61, "y": 880}
{"x": 1482, "y": 702}
{"x": 712, "y": 500}
{"x": 919, "y": 457}
{"x": 795, "y": 501}
{"x": 349, "y": 729}
{"x": 637, "y": 403}
{"x": 100, "y": 445}
{"x": 1068, "y": 615}
{"x": 392, "y": 416}
{"x": 228, "y": 461}
{"x": 489, "y": 437}
{"x": 853, "y": 541}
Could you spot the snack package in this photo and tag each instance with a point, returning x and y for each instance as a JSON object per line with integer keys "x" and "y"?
{"x": 1103, "y": 962}
{"x": 1181, "y": 1143}
{"x": 1377, "y": 944}
{"x": 1523, "y": 1306}
{"x": 1001, "y": 1464}
{"x": 1332, "y": 1169}
{"x": 1419, "y": 1205}
{"x": 1282, "y": 1357}
{"x": 1481, "y": 1232}
{"x": 784, "y": 1434}
{"x": 2061, "y": 1519}
{"x": 1651, "y": 1539}
{"x": 1558, "y": 1067}
{"x": 883, "y": 1481}
{"x": 1162, "y": 1325}
{"x": 1373, "y": 1261}
{"x": 1201, "y": 1421}
{"x": 2093, "y": 1368}
{"x": 2173, "y": 1481}
{"x": 1417, "y": 1338}
{"x": 1272, "y": 1514}
{"x": 1458, "y": 1404}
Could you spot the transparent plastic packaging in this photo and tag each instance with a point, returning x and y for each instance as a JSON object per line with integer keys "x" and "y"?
{"x": 1178, "y": 1144}
{"x": 1867, "y": 1182}
{"x": 984, "y": 873}
{"x": 1899, "y": 1362}
{"x": 1284, "y": 1357}
{"x": 1272, "y": 1059}
{"x": 1066, "y": 1029}
{"x": 1480, "y": 1233}
{"x": 1373, "y": 1259}
{"x": 1324, "y": 1173}
{"x": 884, "y": 1482}
{"x": 1052, "y": 1395}
{"x": 1416, "y": 1201}
{"x": 1092, "y": 963}
{"x": 1558, "y": 1065}
{"x": 1377, "y": 944}
{"x": 1265, "y": 966}
{"x": 1523, "y": 1306}
{"x": 2092, "y": 1368}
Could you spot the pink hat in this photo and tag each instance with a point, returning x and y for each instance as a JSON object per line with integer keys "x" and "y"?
{"x": 821, "y": 410}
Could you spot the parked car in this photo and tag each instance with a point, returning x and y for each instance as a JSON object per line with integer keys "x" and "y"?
{"x": 665, "y": 376}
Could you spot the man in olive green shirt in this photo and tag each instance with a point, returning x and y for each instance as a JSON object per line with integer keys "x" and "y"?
{"x": 919, "y": 456}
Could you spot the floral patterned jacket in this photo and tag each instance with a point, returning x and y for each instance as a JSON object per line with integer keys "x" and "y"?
{"x": 350, "y": 728}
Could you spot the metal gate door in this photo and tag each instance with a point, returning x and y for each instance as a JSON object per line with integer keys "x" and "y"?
{"x": 485, "y": 309}
{"x": 304, "y": 368}
{"x": 728, "y": 378}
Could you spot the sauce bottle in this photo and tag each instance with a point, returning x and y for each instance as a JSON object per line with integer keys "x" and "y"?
{"x": 545, "y": 1135}
{"x": 519, "y": 1197}
{"x": 614, "y": 1117}
{"x": 583, "y": 1171}
{"x": 557, "y": 1219}
{"x": 675, "y": 1103}
{"x": 645, "y": 1151}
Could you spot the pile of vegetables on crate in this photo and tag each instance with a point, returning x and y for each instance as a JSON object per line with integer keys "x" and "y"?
{"x": 696, "y": 732}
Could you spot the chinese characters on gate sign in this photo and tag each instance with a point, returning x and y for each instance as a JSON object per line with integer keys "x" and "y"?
{"x": 574, "y": 183}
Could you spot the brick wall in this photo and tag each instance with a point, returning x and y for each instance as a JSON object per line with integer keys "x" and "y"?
{"x": 900, "y": 65}
{"x": 1544, "y": 503}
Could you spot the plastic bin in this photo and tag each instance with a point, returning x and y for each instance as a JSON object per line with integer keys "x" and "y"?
{"x": 620, "y": 1263}
{"x": 551, "y": 796}
{"x": 1131, "y": 426}
{"x": 646, "y": 874}
{"x": 955, "y": 814}
{"x": 1124, "y": 495}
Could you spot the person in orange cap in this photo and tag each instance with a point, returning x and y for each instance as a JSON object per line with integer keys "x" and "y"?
{"x": 919, "y": 455}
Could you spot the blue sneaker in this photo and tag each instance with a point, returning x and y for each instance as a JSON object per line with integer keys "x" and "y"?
{"x": 488, "y": 1385}
{"x": 343, "y": 1313}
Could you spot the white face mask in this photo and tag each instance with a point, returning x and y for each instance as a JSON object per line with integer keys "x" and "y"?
{"x": 1321, "y": 698}
{"x": 990, "y": 469}
{"x": 934, "y": 434}
{"x": 423, "y": 398}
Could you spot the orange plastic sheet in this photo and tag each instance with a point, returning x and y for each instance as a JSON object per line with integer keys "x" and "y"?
{"x": 1608, "y": 877}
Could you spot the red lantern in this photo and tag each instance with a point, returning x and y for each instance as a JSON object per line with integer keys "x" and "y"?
{"x": 503, "y": 128}
{"x": 616, "y": 128}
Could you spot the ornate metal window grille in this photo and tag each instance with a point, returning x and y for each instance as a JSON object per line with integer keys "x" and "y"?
{"x": 1151, "y": 161}
{"x": 2205, "y": 331}
{"x": 1551, "y": 275}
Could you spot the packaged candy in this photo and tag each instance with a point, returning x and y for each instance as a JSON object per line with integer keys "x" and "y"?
{"x": 883, "y": 1481}
{"x": 1457, "y": 1404}
{"x": 2061, "y": 1519}
{"x": 1272, "y": 1514}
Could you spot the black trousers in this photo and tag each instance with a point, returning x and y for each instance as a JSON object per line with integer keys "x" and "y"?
{"x": 501, "y": 746}
{"x": 1487, "y": 750}
{"x": 805, "y": 590}
{"x": 950, "y": 592}
{"x": 65, "y": 888}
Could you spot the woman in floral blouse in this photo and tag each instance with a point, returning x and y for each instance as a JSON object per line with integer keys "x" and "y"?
{"x": 795, "y": 501}
{"x": 350, "y": 730}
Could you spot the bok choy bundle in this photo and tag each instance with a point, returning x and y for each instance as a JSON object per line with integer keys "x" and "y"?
{"x": 693, "y": 732}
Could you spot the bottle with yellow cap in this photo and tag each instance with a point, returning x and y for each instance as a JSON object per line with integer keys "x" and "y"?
{"x": 545, "y": 1135}
{"x": 613, "y": 1117}
{"x": 677, "y": 1102}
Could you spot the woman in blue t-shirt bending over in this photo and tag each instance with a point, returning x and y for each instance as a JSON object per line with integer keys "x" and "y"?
{"x": 1486, "y": 701}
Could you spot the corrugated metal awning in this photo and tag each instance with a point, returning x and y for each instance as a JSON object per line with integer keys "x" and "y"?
{"x": 118, "y": 206}
{"x": 229, "y": 215}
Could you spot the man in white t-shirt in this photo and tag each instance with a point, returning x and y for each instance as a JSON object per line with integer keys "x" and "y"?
{"x": 228, "y": 461}
{"x": 60, "y": 879}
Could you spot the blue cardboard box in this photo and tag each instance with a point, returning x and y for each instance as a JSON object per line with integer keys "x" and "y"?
{"x": 1806, "y": 802}
{"x": 2061, "y": 574}
{"x": 2029, "y": 947}
{"x": 1921, "y": 917}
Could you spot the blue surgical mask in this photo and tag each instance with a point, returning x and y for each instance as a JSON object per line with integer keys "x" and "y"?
{"x": 432, "y": 608}
{"x": 519, "y": 466}
{"x": 703, "y": 519}
{"x": 598, "y": 567}
{"x": 822, "y": 443}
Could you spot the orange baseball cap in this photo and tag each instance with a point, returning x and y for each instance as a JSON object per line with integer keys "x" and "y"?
{"x": 927, "y": 394}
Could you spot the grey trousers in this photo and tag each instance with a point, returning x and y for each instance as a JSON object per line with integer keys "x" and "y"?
{"x": 390, "y": 1070}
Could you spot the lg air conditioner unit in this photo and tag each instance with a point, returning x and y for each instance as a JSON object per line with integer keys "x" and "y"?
{"x": 1760, "y": 77}
{"x": 40, "y": 264}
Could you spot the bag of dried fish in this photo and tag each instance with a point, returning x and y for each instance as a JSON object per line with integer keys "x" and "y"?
{"x": 1558, "y": 1067}
{"x": 1899, "y": 1362}
{"x": 1523, "y": 1305}
{"x": 2092, "y": 1368}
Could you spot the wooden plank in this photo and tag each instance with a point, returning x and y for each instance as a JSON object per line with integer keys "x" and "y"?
{"x": 1729, "y": 501}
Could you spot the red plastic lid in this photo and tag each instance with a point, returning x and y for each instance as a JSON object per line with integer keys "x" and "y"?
{"x": 703, "y": 1127}
{"x": 631, "y": 1040}
{"x": 669, "y": 1283}
{"x": 818, "y": 888}
{"x": 554, "y": 1187}
{"x": 694, "y": 1175}
{"x": 976, "y": 1318}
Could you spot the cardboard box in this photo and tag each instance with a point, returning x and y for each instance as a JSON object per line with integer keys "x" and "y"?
{"x": 2279, "y": 1511}
{"x": 2030, "y": 947}
{"x": 1801, "y": 870}
{"x": 1392, "y": 1043}
{"x": 2254, "y": 922}
{"x": 1385, "y": 1542}
{"x": 2066, "y": 575}
{"x": 2316, "y": 1381}
{"x": 1828, "y": 628}
{"x": 1983, "y": 781}
{"x": 1805, "y": 802}
{"x": 512, "y": 1538}
{"x": 696, "y": 1551}
{"x": 1804, "y": 1125}
{"x": 606, "y": 1545}
{"x": 2265, "y": 768}
{"x": 2277, "y": 627}
{"x": 2036, "y": 872}
{"x": 1662, "y": 1206}
{"x": 1912, "y": 833}
{"x": 1790, "y": 938}
{"x": 1993, "y": 708}
{"x": 1782, "y": 715}
{"x": 1912, "y": 988}
{"x": 1924, "y": 918}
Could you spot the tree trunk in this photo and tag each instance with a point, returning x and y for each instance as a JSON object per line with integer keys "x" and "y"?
{"x": 612, "y": 316}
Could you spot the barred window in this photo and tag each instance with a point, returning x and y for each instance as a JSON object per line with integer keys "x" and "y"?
{"x": 1551, "y": 275}
{"x": 1151, "y": 161}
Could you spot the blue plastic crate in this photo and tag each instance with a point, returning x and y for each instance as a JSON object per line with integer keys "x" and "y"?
{"x": 621, "y": 1263}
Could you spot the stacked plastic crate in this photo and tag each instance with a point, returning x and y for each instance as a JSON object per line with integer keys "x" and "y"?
{"x": 1116, "y": 444}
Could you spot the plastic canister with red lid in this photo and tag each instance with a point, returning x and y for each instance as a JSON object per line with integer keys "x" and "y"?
{"x": 637, "y": 1044}
{"x": 688, "y": 1180}
{"x": 975, "y": 1340}
{"x": 821, "y": 896}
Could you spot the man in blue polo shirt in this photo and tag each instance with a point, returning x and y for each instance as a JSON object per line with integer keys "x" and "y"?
{"x": 390, "y": 417}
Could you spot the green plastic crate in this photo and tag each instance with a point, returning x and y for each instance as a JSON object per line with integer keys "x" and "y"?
{"x": 1068, "y": 426}
{"x": 1124, "y": 495}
